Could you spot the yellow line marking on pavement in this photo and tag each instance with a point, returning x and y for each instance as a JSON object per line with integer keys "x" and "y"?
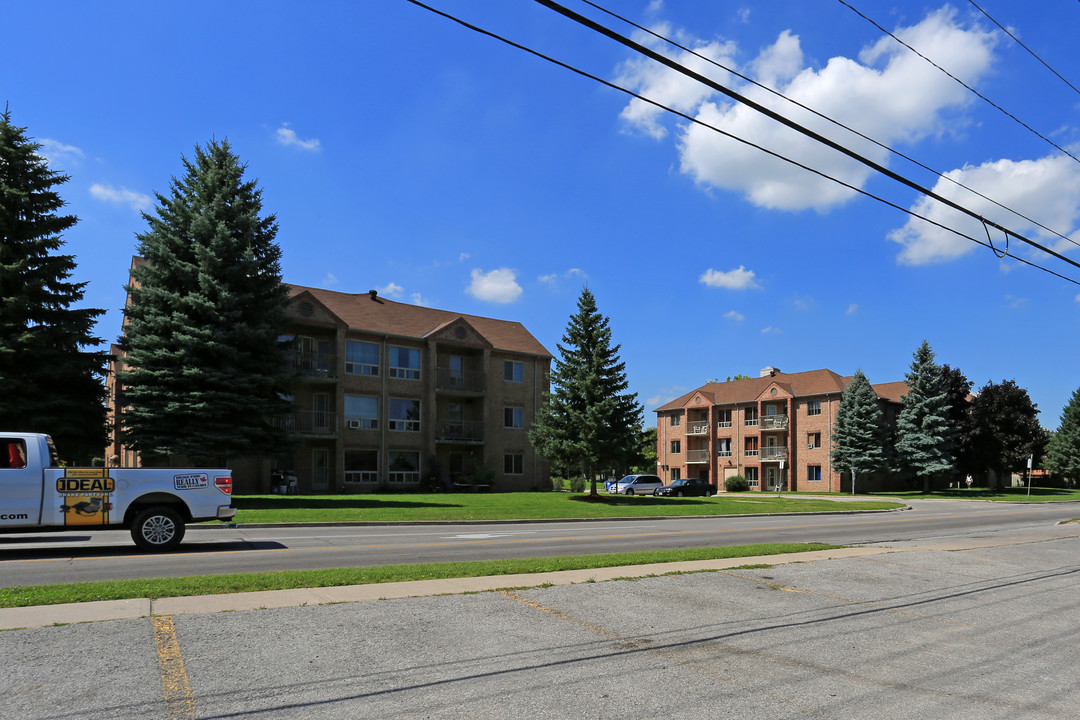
{"x": 174, "y": 680}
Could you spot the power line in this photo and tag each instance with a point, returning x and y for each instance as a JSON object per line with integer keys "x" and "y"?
{"x": 1021, "y": 44}
{"x": 969, "y": 88}
{"x": 583, "y": 73}
{"x": 835, "y": 122}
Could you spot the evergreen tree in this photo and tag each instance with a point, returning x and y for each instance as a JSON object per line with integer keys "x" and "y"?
{"x": 925, "y": 440}
{"x": 1063, "y": 450}
{"x": 55, "y": 384}
{"x": 204, "y": 369}
{"x": 957, "y": 397}
{"x": 1005, "y": 429}
{"x": 589, "y": 422}
{"x": 859, "y": 434}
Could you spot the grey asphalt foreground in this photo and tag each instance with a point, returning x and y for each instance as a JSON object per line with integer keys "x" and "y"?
{"x": 977, "y": 629}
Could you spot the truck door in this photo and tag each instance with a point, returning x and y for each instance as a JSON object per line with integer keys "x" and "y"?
{"x": 20, "y": 485}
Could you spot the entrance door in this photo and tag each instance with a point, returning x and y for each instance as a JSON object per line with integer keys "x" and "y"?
{"x": 320, "y": 469}
{"x": 321, "y": 420}
{"x": 772, "y": 476}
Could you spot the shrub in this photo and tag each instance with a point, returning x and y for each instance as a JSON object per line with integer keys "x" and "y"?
{"x": 577, "y": 484}
{"x": 736, "y": 483}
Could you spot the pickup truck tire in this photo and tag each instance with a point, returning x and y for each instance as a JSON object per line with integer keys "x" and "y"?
{"x": 157, "y": 529}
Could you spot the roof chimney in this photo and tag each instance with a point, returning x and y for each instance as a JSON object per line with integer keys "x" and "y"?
{"x": 769, "y": 371}
{"x": 373, "y": 293}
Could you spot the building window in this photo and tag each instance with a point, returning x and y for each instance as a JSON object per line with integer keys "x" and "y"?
{"x": 750, "y": 417}
{"x": 813, "y": 440}
{"x": 676, "y": 474}
{"x": 513, "y": 371}
{"x": 514, "y": 417}
{"x": 362, "y": 466}
{"x": 723, "y": 447}
{"x": 361, "y": 358}
{"x": 751, "y": 475}
{"x": 676, "y": 446}
{"x": 361, "y": 412}
{"x": 813, "y": 473}
{"x": 404, "y": 467}
{"x": 404, "y": 363}
{"x": 404, "y": 415}
{"x": 813, "y": 407}
{"x": 676, "y": 420}
{"x": 723, "y": 418}
{"x": 750, "y": 449}
{"x": 513, "y": 464}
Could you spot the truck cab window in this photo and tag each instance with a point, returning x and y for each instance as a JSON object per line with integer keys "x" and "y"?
{"x": 13, "y": 455}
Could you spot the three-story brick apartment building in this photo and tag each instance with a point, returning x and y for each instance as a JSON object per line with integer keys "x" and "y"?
{"x": 770, "y": 429}
{"x": 389, "y": 394}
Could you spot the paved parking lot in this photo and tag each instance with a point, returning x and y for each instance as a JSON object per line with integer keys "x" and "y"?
{"x": 984, "y": 632}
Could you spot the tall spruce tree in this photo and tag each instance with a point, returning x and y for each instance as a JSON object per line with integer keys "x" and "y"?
{"x": 589, "y": 422}
{"x": 925, "y": 440}
{"x": 54, "y": 377}
{"x": 204, "y": 369}
{"x": 957, "y": 397}
{"x": 1063, "y": 450}
{"x": 859, "y": 435}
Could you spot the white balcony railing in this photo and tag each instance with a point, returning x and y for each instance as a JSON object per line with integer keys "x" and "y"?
{"x": 697, "y": 427}
{"x": 697, "y": 456}
{"x": 773, "y": 453}
{"x": 774, "y": 422}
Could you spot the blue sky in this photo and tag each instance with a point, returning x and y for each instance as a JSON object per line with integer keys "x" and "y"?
{"x": 405, "y": 153}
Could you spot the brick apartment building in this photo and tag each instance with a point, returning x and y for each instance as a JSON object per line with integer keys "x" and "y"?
{"x": 396, "y": 395}
{"x": 753, "y": 427}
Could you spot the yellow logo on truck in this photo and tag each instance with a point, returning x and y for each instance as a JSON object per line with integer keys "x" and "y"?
{"x": 86, "y": 493}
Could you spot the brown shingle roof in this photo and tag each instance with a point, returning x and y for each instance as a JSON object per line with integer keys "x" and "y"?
{"x": 362, "y": 311}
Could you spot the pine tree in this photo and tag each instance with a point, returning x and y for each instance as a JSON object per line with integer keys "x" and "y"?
{"x": 204, "y": 369}
{"x": 55, "y": 383}
{"x": 1063, "y": 450}
{"x": 957, "y": 394}
{"x": 589, "y": 422}
{"x": 859, "y": 435}
{"x": 925, "y": 440}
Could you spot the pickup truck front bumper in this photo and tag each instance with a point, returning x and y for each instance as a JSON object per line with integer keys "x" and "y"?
{"x": 226, "y": 512}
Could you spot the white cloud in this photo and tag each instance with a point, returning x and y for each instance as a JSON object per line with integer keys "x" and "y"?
{"x": 330, "y": 280}
{"x": 498, "y": 286}
{"x": 738, "y": 279}
{"x": 889, "y": 94}
{"x": 288, "y": 137}
{"x": 1077, "y": 298}
{"x": 57, "y": 153}
{"x": 1047, "y": 189}
{"x": 852, "y": 309}
{"x": 770, "y": 330}
{"x": 418, "y": 300}
{"x": 106, "y": 193}
{"x": 734, "y": 316}
{"x": 391, "y": 290}
{"x": 555, "y": 280}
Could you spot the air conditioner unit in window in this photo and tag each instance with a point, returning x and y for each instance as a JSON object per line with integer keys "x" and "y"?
{"x": 352, "y": 424}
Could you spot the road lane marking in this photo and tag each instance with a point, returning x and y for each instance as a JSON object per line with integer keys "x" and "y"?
{"x": 179, "y": 700}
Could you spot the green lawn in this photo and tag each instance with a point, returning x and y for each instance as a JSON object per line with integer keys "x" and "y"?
{"x": 154, "y": 588}
{"x": 437, "y": 507}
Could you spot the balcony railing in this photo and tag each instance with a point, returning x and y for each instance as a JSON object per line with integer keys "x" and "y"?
{"x": 697, "y": 456}
{"x": 774, "y": 422}
{"x": 723, "y": 423}
{"x": 460, "y": 380}
{"x": 697, "y": 427}
{"x": 459, "y": 431}
{"x": 309, "y": 423}
{"x": 311, "y": 364}
{"x": 773, "y": 453}
{"x": 723, "y": 453}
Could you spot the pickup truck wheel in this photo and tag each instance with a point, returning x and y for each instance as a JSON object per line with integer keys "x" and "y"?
{"x": 157, "y": 529}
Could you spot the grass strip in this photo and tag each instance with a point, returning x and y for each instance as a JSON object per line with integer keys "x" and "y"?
{"x": 155, "y": 588}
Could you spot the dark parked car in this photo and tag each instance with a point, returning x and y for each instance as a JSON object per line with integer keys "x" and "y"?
{"x": 687, "y": 486}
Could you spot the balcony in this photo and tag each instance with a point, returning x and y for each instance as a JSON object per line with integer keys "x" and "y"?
{"x": 313, "y": 365}
{"x": 460, "y": 381}
{"x": 697, "y": 456}
{"x": 773, "y": 454}
{"x": 308, "y": 423}
{"x": 697, "y": 427}
{"x": 774, "y": 422}
{"x": 467, "y": 432}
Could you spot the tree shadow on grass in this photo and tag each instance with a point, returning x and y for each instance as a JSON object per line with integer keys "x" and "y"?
{"x": 635, "y": 500}
{"x": 325, "y": 502}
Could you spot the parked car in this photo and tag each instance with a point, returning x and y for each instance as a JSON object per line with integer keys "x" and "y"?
{"x": 687, "y": 486}
{"x": 636, "y": 485}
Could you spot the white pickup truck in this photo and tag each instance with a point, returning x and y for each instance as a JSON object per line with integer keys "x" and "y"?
{"x": 36, "y": 493}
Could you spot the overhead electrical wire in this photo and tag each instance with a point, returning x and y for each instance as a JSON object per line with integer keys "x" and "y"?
{"x": 969, "y": 88}
{"x": 1021, "y": 44}
{"x": 835, "y": 122}
{"x": 986, "y": 223}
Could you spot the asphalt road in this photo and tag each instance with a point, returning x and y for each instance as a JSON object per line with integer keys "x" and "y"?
{"x": 987, "y": 632}
{"x": 65, "y": 557}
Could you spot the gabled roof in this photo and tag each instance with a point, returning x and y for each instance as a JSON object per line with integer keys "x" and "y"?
{"x": 811, "y": 382}
{"x": 368, "y": 312}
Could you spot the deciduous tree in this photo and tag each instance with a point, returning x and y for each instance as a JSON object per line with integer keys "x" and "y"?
{"x": 52, "y": 374}
{"x": 1005, "y": 429}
